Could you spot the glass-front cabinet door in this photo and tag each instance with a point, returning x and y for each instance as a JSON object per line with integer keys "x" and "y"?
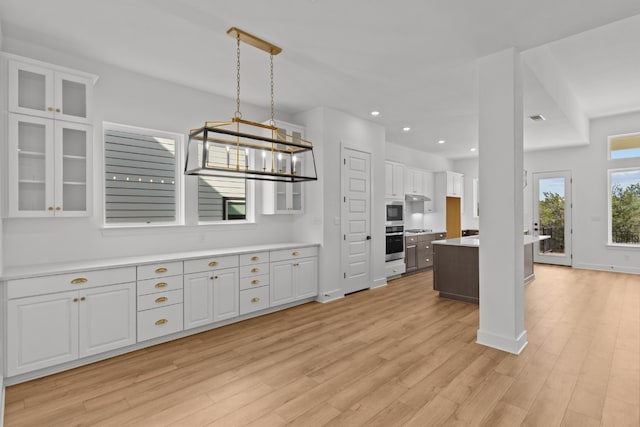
{"x": 30, "y": 166}
{"x": 48, "y": 167}
{"x": 42, "y": 92}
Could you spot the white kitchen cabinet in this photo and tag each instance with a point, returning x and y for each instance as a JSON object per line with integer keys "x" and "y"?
{"x": 107, "y": 318}
{"x": 47, "y": 330}
{"x": 50, "y": 92}
{"x": 283, "y": 197}
{"x": 211, "y": 297}
{"x": 293, "y": 279}
{"x": 414, "y": 181}
{"x": 49, "y": 167}
{"x": 394, "y": 180}
{"x": 428, "y": 186}
{"x": 455, "y": 184}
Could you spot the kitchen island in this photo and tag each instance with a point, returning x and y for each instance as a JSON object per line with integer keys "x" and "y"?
{"x": 456, "y": 268}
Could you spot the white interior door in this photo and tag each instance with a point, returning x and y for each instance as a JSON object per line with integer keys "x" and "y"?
{"x": 552, "y": 217}
{"x": 356, "y": 219}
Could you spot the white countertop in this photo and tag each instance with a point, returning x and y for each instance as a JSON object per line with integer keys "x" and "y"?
{"x": 25, "y": 271}
{"x": 474, "y": 241}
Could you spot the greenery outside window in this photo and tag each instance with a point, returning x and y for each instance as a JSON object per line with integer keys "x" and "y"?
{"x": 624, "y": 206}
{"x": 143, "y": 176}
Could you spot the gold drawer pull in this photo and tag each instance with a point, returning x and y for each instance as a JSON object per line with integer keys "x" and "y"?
{"x": 255, "y": 282}
{"x": 161, "y": 299}
{"x": 75, "y": 300}
{"x": 161, "y": 270}
{"x": 213, "y": 263}
{"x": 255, "y": 270}
{"x": 161, "y": 322}
{"x": 79, "y": 280}
{"x": 161, "y": 285}
{"x": 255, "y": 299}
{"x": 255, "y": 258}
{"x": 295, "y": 253}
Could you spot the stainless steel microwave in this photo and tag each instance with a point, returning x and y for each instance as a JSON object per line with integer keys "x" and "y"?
{"x": 394, "y": 212}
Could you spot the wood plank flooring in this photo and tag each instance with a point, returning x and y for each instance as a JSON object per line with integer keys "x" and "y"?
{"x": 392, "y": 356}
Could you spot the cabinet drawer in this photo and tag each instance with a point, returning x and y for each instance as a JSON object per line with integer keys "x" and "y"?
{"x": 254, "y": 270}
{"x": 159, "y": 321}
{"x": 69, "y": 282}
{"x": 254, "y": 281}
{"x": 211, "y": 263}
{"x": 151, "y": 286}
{"x": 293, "y": 253}
{"x": 411, "y": 240}
{"x": 395, "y": 269}
{"x": 437, "y": 236}
{"x": 254, "y": 299}
{"x": 162, "y": 269}
{"x": 254, "y": 258}
{"x": 161, "y": 299}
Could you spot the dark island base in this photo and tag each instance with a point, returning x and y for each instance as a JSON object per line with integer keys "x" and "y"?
{"x": 456, "y": 271}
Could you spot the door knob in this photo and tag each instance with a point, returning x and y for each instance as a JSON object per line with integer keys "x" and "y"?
{"x": 368, "y": 237}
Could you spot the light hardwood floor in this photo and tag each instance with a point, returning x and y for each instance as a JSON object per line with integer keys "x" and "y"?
{"x": 397, "y": 355}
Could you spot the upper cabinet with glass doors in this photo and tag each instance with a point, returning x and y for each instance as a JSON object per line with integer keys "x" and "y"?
{"x": 37, "y": 90}
{"x": 49, "y": 140}
{"x": 283, "y": 197}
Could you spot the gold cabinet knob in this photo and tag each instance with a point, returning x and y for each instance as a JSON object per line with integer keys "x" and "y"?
{"x": 50, "y": 109}
{"x": 161, "y": 299}
{"x": 50, "y": 208}
{"x": 161, "y": 322}
{"x": 57, "y": 110}
{"x": 295, "y": 253}
{"x": 79, "y": 280}
{"x": 58, "y": 208}
{"x": 161, "y": 270}
{"x": 255, "y": 282}
{"x": 82, "y": 299}
{"x": 255, "y": 299}
{"x": 255, "y": 270}
{"x": 255, "y": 258}
{"x": 75, "y": 300}
{"x": 213, "y": 263}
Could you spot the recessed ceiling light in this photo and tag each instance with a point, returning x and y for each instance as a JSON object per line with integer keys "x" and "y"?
{"x": 537, "y": 118}
{"x": 473, "y": 149}
{"x": 442, "y": 141}
{"x": 375, "y": 113}
{"x": 406, "y": 128}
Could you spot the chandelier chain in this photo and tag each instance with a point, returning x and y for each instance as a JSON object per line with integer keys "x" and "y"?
{"x": 238, "y": 113}
{"x": 273, "y": 121}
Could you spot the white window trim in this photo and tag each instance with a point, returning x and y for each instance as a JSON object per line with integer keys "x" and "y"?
{"x": 180, "y": 148}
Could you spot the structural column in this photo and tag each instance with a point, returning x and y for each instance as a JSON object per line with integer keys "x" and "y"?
{"x": 500, "y": 182}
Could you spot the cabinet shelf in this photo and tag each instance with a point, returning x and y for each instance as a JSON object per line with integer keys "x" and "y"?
{"x": 70, "y": 156}
{"x": 31, "y": 153}
{"x": 31, "y": 181}
{"x": 74, "y": 183}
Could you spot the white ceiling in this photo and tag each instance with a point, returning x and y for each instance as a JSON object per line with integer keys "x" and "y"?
{"x": 413, "y": 60}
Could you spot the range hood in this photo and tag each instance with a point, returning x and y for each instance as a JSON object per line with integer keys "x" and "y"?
{"x": 416, "y": 198}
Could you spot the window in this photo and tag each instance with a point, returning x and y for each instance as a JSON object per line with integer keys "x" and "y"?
{"x": 624, "y": 206}
{"x": 142, "y": 176}
{"x": 624, "y": 146}
{"x": 221, "y": 199}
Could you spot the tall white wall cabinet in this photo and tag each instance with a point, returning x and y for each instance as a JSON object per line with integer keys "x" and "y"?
{"x": 394, "y": 180}
{"x": 49, "y": 139}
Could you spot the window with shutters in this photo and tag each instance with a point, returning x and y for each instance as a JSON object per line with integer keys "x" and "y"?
{"x": 142, "y": 176}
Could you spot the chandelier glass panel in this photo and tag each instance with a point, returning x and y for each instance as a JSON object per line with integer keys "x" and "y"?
{"x": 246, "y": 149}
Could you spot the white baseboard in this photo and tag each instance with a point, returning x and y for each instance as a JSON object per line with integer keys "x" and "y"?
{"x": 611, "y": 268}
{"x": 508, "y": 344}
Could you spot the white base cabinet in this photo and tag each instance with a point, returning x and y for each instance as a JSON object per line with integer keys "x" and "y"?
{"x": 47, "y": 330}
{"x": 294, "y": 278}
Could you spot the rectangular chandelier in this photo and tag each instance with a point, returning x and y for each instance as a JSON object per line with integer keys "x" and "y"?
{"x": 250, "y": 150}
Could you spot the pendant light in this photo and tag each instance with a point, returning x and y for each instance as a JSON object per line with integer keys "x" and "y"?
{"x": 246, "y": 149}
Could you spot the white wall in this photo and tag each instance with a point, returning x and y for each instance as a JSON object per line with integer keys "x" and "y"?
{"x": 128, "y": 98}
{"x": 330, "y": 129}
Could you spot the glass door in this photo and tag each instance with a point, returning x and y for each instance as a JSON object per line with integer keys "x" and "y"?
{"x": 552, "y": 217}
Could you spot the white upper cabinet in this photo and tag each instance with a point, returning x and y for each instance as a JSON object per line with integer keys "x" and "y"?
{"x": 45, "y": 92}
{"x": 414, "y": 181}
{"x": 283, "y": 197}
{"x": 455, "y": 184}
{"x": 428, "y": 186}
{"x": 49, "y": 167}
{"x": 394, "y": 180}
